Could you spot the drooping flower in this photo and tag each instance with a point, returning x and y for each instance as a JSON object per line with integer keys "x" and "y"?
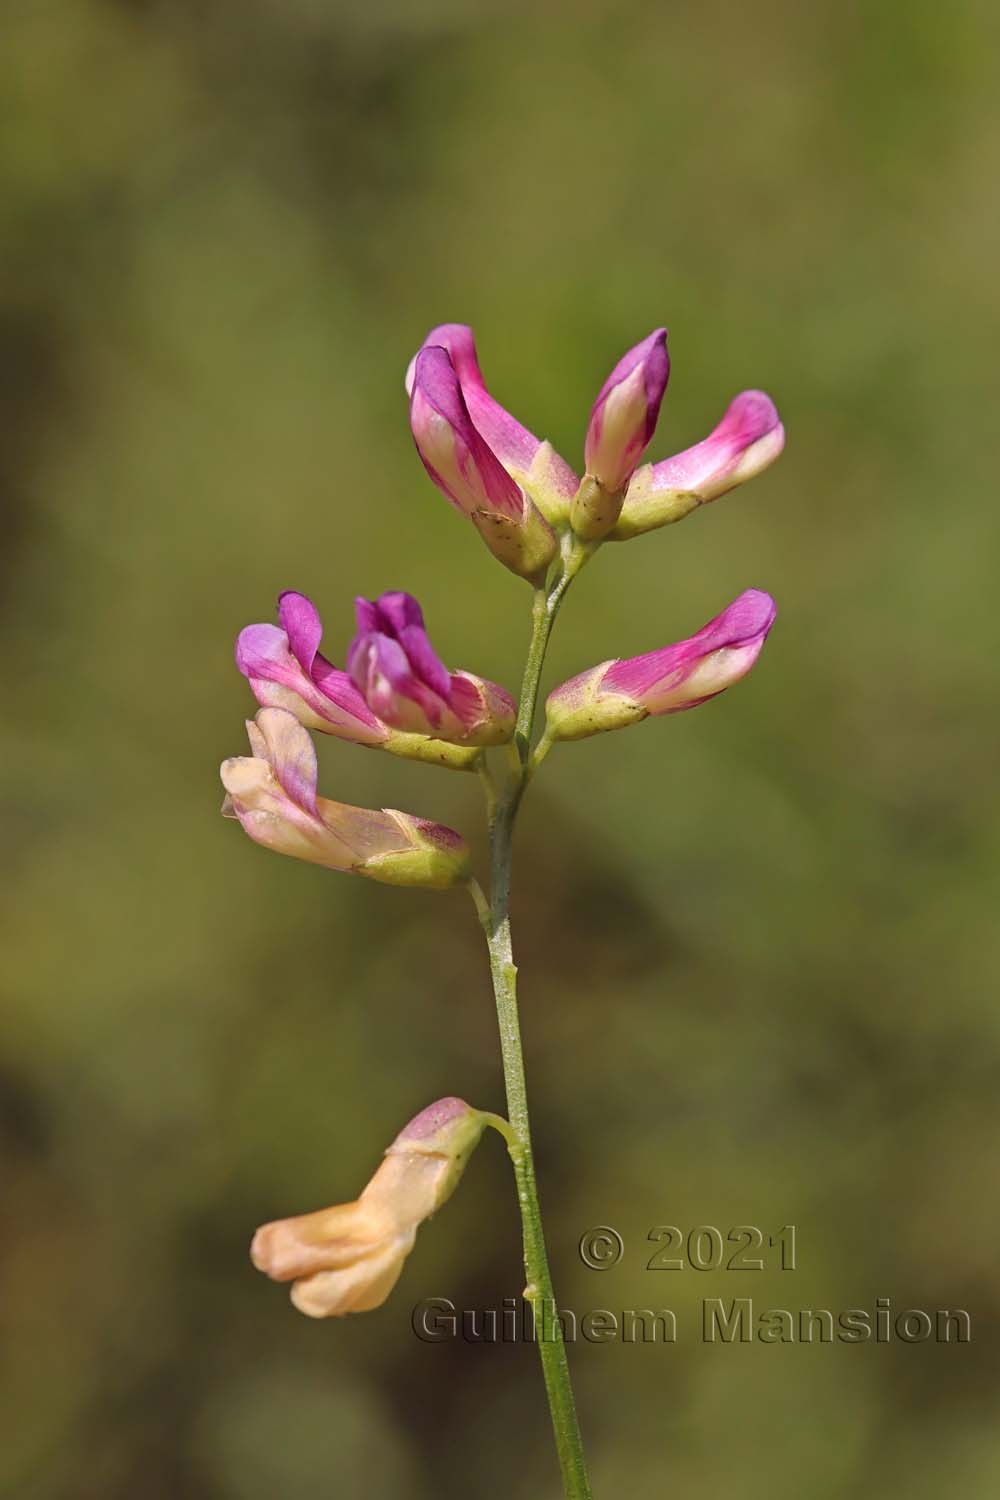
{"x": 748, "y": 439}
{"x": 285, "y": 669}
{"x": 348, "y": 1258}
{"x": 617, "y": 693}
{"x": 465, "y": 468}
{"x": 403, "y": 681}
{"x": 546, "y": 478}
{"x": 272, "y": 793}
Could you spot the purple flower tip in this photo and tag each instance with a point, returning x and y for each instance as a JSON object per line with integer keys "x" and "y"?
{"x": 626, "y": 411}
{"x": 432, "y": 1119}
{"x": 453, "y": 452}
{"x": 690, "y": 672}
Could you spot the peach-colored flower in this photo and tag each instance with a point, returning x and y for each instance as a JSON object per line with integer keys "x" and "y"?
{"x": 348, "y": 1258}
{"x": 273, "y": 795}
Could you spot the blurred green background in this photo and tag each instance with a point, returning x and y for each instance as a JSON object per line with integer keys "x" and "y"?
{"x": 759, "y": 961}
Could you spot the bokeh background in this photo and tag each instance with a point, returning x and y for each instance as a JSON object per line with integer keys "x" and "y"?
{"x": 758, "y": 942}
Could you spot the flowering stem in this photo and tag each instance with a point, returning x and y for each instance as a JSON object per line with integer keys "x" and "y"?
{"x": 496, "y": 922}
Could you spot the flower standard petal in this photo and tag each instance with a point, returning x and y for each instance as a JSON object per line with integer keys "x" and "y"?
{"x": 534, "y": 464}
{"x": 301, "y": 680}
{"x": 466, "y": 470}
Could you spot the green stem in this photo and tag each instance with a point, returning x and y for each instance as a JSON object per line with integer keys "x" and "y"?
{"x": 489, "y": 786}
{"x": 496, "y": 921}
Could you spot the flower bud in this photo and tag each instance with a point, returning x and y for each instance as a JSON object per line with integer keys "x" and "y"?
{"x": 621, "y": 424}
{"x": 273, "y": 795}
{"x": 617, "y": 693}
{"x": 401, "y": 678}
{"x": 547, "y": 479}
{"x": 465, "y": 468}
{"x": 748, "y": 439}
{"x": 348, "y": 1258}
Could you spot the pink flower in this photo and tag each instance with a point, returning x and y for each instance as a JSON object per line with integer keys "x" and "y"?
{"x": 285, "y": 670}
{"x": 465, "y": 468}
{"x": 396, "y": 694}
{"x": 617, "y": 693}
{"x": 626, "y": 410}
{"x": 348, "y": 1258}
{"x": 403, "y": 681}
{"x": 535, "y": 466}
{"x": 615, "y": 499}
{"x": 748, "y": 439}
{"x": 273, "y": 795}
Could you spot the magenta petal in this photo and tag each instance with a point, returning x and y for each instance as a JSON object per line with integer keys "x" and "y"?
{"x": 626, "y": 411}
{"x": 299, "y": 619}
{"x": 377, "y": 656}
{"x": 397, "y": 610}
{"x": 744, "y": 623}
{"x": 367, "y": 616}
{"x": 652, "y": 354}
{"x": 751, "y": 416}
{"x": 479, "y": 473}
{"x": 424, "y": 660}
{"x": 341, "y": 694}
{"x": 397, "y": 616}
{"x": 513, "y": 444}
{"x": 382, "y": 670}
{"x": 437, "y": 384}
{"x": 402, "y": 615}
{"x": 465, "y": 699}
{"x": 262, "y": 651}
{"x": 404, "y": 680}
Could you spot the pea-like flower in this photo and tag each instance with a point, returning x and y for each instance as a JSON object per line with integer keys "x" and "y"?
{"x": 348, "y": 1258}
{"x": 534, "y": 465}
{"x": 747, "y": 440}
{"x": 285, "y": 669}
{"x": 621, "y": 425}
{"x": 615, "y": 499}
{"x": 403, "y": 681}
{"x": 393, "y": 697}
{"x": 465, "y": 468}
{"x": 617, "y": 693}
{"x": 273, "y": 795}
